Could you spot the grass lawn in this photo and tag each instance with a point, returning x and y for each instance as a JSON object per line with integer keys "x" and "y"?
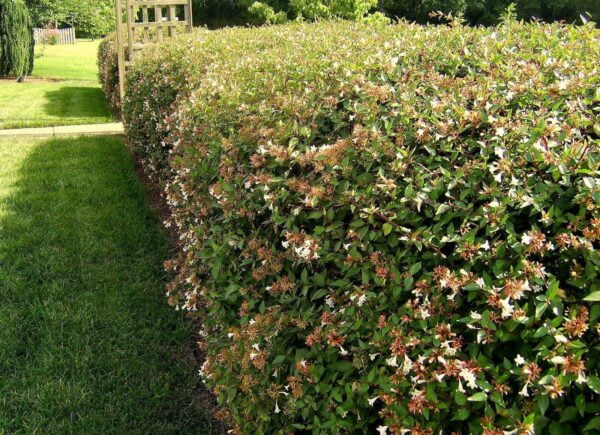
{"x": 87, "y": 341}
{"x": 72, "y": 62}
{"x": 63, "y": 90}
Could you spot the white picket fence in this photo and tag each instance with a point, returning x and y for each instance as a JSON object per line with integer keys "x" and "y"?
{"x": 54, "y": 36}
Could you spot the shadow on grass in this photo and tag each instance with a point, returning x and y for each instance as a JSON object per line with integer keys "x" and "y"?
{"x": 76, "y": 102}
{"x": 87, "y": 341}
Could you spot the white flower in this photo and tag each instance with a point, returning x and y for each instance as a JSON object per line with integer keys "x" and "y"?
{"x": 524, "y": 392}
{"x": 406, "y": 365}
{"x": 469, "y": 377}
{"x": 277, "y": 410}
{"x": 392, "y": 362}
{"x": 475, "y": 316}
{"x": 500, "y": 131}
{"x": 561, "y": 338}
{"x": 343, "y": 351}
{"x": 361, "y": 300}
{"x": 507, "y": 308}
{"x": 382, "y": 430}
{"x": 373, "y": 400}
{"x": 372, "y": 356}
{"x": 526, "y": 240}
{"x": 493, "y": 168}
{"x": 519, "y": 360}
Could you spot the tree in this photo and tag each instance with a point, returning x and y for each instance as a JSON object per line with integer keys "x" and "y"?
{"x": 91, "y": 18}
{"x": 16, "y": 39}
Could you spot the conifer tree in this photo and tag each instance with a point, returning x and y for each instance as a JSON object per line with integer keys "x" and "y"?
{"x": 16, "y": 39}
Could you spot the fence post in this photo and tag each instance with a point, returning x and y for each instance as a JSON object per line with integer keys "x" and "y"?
{"x": 120, "y": 47}
{"x": 141, "y": 31}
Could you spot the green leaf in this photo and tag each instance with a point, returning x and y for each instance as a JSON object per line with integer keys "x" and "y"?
{"x": 319, "y": 294}
{"x": 341, "y": 366}
{"x": 442, "y": 208}
{"x": 594, "y": 424}
{"x": 319, "y": 279}
{"x": 594, "y": 383}
{"x": 540, "y": 309}
{"x": 540, "y": 332}
{"x": 278, "y": 360}
{"x": 460, "y": 398}
{"x": 593, "y": 297}
{"x": 461, "y": 415}
{"x": 336, "y": 395}
{"x": 580, "y": 404}
{"x": 478, "y": 397}
{"x": 415, "y": 268}
{"x": 387, "y": 228}
{"x": 568, "y": 414}
{"x": 543, "y": 404}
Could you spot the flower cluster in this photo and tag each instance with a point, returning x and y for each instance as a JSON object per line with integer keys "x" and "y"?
{"x": 384, "y": 228}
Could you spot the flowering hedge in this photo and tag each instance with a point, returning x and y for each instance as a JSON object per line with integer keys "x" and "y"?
{"x": 108, "y": 73}
{"x": 389, "y": 229}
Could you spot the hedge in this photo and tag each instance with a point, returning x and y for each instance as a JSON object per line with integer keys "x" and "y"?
{"x": 108, "y": 73}
{"x": 389, "y": 229}
{"x": 16, "y": 39}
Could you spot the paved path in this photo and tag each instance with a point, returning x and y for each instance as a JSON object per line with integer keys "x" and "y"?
{"x": 68, "y": 130}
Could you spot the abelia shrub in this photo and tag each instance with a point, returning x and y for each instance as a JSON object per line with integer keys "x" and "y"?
{"x": 384, "y": 229}
{"x": 108, "y": 73}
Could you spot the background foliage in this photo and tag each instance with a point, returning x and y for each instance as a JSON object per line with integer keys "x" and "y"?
{"x": 389, "y": 228}
{"x": 16, "y": 39}
{"x": 217, "y": 13}
{"x": 91, "y": 18}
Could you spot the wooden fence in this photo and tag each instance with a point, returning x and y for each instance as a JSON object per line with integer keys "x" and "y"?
{"x": 141, "y": 23}
{"x": 54, "y": 36}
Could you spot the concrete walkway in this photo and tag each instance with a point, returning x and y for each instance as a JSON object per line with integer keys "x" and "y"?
{"x": 113, "y": 129}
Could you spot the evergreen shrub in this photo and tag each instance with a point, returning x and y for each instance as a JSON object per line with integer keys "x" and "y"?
{"x": 16, "y": 39}
{"x": 390, "y": 228}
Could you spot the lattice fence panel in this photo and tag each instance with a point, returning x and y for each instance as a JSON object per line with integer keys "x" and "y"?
{"x": 144, "y": 22}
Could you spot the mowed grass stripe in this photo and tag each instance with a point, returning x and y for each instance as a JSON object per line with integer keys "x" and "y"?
{"x": 63, "y": 90}
{"x": 87, "y": 342}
